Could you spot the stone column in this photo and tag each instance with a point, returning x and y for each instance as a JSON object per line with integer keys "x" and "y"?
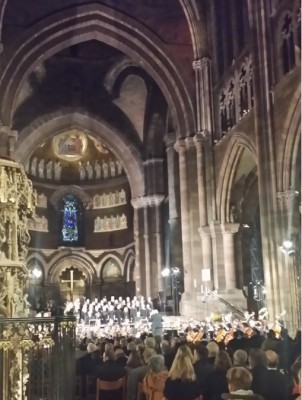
{"x": 8, "y": 138}
{"x": 157, "y": 200}
{"x": 139, "y": 244}
{"x": 204, "y": 230}
{"x": 175, "y": 245}
{"x": 229, "y": 230}
{"x": 181, "y": 148}
{"x": 288, "y": 208}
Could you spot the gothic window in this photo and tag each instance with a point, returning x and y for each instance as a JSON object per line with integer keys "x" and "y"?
{"x": 231, "y": 105}
{"x": 288, "y": 45}
{"x": 223, "y": 113}
{"x": 71, "y": 218}
{"x": 243, "y": 92}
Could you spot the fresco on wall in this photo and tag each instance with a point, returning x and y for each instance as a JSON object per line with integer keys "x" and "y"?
{"x": 71, "y": 145}
{"x": 111, "y": 269}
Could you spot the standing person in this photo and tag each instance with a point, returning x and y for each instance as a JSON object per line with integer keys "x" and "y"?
{"x": 156, "y": 323}
{"x": 216, "y": 383}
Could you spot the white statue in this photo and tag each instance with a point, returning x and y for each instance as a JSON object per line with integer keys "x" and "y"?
{"x": 41, "y": 169}
{"x": 49, "y": 169}
{"x": 105, "y": 169}
{"x": 82, "y": 171}
{"x": 97, "y": 169}
{"x": 119, "y": 167}
{"x": 89, "y": 170}
{"x": 122, "y": 197}
{"x": 33, "y": 168}
{"x": 123, "y": 221}
{"x": 112, "y": 168}
{"x": 57, "y": 170}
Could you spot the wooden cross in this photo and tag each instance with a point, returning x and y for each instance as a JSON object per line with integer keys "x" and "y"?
{"x": 71, "y": 281}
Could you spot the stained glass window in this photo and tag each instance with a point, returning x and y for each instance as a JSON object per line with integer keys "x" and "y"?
{"x": 70, "y": 222}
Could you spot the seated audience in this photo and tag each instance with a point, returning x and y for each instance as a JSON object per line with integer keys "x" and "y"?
{"x": 154, "y": 381}
{"x": 213, "y": 351}
{"x": 181, "y": 383}
{"x": 240, "y": 358}
{"x": 134, "y": 360}
{"x": 239, "y": 381}
{"x": 120, "y": 357}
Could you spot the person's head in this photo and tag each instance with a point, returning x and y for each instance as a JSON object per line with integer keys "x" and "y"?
{"x": 201, "y": 352}
{"x": 147, "y": 354}
{"x": 272, "y": 359}
{"x": 182, "y": 366}
{"x": 239, "y": 378}
{"x": 108, "y": 355}
{"x": 213, "y": 349}
{"x": 91, "y": 347}
{"x": 134, "y": 359}
{"x": 131, "y": 346}
{"x": 123, "y": 342}
{"x": 257, "y": 358}
{"x": 240, "y": 357}
{"x": 119, "y": 353}
{"x": 157, "y": 363}
{"x": 222, "y": 361}
{"x": 150, "y": 342}
{"x": 165, "y": 347}
{"x": 108, "y": 346}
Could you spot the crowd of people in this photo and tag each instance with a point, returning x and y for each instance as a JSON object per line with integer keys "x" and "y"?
{"x": 172, "y": 367}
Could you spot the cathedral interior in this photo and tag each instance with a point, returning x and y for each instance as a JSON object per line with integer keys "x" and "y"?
{"x": 157, "y": 134}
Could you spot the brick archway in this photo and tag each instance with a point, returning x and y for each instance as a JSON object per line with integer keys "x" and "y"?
{"x": 97, "y": 22}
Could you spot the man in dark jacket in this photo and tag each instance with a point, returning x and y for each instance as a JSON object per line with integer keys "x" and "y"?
{"x": 110, "y": 371}
{"x": 202, "y": 366}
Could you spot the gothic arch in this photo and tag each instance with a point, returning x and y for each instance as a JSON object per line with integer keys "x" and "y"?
{"x": 41, "y": 261}
{"x": 197, "y": 25}
{"x": 129, "y": 265}
{"x": 103, "y": 262}
{"x": 49, "y": 125}
{"x": 70, "y": 189}
{"x": 290, "y": 145}
{"x": 66, "y": 261}
{"x": 96, "y": 22}
{"x": 238, "y": 143}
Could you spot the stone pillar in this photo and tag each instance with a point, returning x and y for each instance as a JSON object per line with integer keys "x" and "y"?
{"x": 229, "y": 230}
{"x": 157, "y": 200}
{"x": 139, "y": 244}
{"x": 175, "y": 245}
{"x": 204, "y": 231}
{"x": 260, "y": 28}
{"x": 289, "y": 230}
{"x": 8, "y": 138}
{"x": 181, "y": 148}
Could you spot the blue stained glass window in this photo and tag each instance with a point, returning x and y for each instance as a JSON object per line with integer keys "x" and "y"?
{"x": 70, "y": 228}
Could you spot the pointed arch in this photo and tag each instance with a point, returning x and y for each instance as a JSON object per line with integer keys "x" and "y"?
{"x": 75, "y": 260}
{"x": 238, "y": 143}
{"x": 96, "y": 22}
{"x": 50, "y": 124}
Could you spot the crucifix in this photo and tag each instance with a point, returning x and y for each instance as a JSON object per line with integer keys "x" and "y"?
{"x": 71, "y": 281}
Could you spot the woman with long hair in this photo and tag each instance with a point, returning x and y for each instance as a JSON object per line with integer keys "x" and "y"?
{"x": 181, "y": 383}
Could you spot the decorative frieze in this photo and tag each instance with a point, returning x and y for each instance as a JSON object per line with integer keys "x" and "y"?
{"x": 109, "y": 224}
{"x": 39, "y": 224}
{"x": 108, "y": 200}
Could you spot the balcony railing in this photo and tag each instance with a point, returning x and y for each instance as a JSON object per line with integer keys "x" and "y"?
{"x": 37, "y": 358}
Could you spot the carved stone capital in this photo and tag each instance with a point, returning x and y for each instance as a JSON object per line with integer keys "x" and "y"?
{"x": 288, "y": 197}
{"x": 148, "y": 201}
{"x": 169, "y": 140}
{"x": 180, "y": 146}
{"x": 153, "y": 161}
{"x": 189, "y": 142}
{"x": 201, "y": 63}
{"x": 230, "y": 228}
